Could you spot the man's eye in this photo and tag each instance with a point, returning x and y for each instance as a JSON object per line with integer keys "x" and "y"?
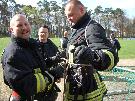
{"x": 19, "y": 25}
{"x": 25, "y": 24}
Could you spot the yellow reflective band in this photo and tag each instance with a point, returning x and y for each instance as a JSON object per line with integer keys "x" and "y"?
{"x": 93, "y": 96}
{"x": 111, "y": 58}
{"x": 89, "y": 96}
{"x": 103, "y": 88}
{"x": 38, "y": 83}
{"x": 100, "y": 84}
{"x": 37, "y": 70}
{"x": 50, "y": 86}
{"x": 43, "y": 83}
{"x": 97, "y": 79}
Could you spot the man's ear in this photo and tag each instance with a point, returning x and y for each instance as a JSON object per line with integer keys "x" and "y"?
{"x": 81, "y": 9}
{"x": 11, "y": 29}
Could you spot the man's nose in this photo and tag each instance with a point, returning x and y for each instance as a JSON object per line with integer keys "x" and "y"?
{"x": 70, "y": 18}
{"x": 24, "y": 27}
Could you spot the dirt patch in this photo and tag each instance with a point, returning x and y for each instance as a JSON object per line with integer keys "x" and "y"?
{"x": 126, "y": 62}
{"x": 5, "y": 91}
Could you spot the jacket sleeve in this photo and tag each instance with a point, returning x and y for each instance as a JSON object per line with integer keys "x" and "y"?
{"x": 117, "y": 44}
{"x": 105, "y": 58}
{"x": 21, "y": 78}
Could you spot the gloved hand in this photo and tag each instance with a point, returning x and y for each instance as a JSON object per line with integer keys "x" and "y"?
{"x": 57, "y": 72}
{"x": 49, "y": 79}
{"x": 54, "y": 60}
{"x": 62, "y": 53}
{"x": 83, "y": 55}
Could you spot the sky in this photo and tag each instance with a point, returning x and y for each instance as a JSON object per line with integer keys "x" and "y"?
{"x": 127, "y": 5}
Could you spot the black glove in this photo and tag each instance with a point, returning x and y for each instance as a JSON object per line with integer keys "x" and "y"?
{"x": 49, "y": 78}
{"x": 62, "y": 53}
{"x": 51, "y": 61}
{"x": 57, "y": 72}
{"x": 83, "y": 55}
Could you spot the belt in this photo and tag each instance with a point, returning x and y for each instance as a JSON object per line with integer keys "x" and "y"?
{"x": 80, "y": 64}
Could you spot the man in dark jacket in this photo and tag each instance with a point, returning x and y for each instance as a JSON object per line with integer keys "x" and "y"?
{"x": 88, "y": 51}
{"x": 24, "y": 70}
{"x": 49, "y": 50}
{"x": 115, "y": 42}
{"x": 64, "y": 40}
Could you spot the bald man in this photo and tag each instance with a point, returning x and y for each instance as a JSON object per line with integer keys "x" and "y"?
{"x": 20, "y": 27}
{"x": 23, "y": 67}
{"x": 89, "y": 51}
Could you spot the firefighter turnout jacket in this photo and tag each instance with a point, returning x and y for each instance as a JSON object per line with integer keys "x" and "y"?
{"x": 24, "y": 69}
{"x": 83, "y": 81}
{"x": 49, "y": 50}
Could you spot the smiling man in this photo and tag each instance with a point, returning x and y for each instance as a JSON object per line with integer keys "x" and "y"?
{"x": 23, "y": 67}
{"x": 20, "y": 26}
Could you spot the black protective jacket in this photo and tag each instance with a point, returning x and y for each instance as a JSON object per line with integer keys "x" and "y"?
{"x": 48, "y": 49}
{"x": 64, "y": 42}
{"x": 116, "y": 44}
{"x": 24, "y": 69}
{"x": 83, "y": 81}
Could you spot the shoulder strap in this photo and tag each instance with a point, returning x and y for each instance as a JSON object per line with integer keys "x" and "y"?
{"x": 85, "y": 34}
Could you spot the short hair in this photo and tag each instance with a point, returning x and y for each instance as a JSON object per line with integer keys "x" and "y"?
{"x": 16, "y": 16}
{"x": 75, "y": 2}
{"x": 45, "y": 26}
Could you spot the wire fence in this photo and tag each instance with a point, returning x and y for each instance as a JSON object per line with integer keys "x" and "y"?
{"x": 120, "y": 83}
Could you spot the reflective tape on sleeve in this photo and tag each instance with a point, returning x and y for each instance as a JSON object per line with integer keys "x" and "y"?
{"x": 37, "y": 70}
{"x": 41, "y": 84}
{"x": 111, "y": 58}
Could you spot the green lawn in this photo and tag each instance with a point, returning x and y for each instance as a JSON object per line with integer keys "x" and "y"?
{"x": 3, "y": 43}
{"x": 56, "y": 41}
{"x": 127, "y": 47}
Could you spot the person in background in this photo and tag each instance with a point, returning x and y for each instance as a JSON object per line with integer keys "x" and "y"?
{"x": 64, "y": 40}
{"x": 89, "y": 51}
{"x": 49, "y": 50}
{"x": 24, "y": 69}
{"x": 115, "y": 42}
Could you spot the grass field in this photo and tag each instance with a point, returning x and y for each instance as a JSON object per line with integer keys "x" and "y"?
{"x": 3, "y": 43}
{"x": 127, "y": 51}
{"x": 5, "y": 40}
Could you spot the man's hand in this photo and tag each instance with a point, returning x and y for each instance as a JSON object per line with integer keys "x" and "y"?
{"x": 83, "y": 55}
{"x": 51, "y": 61}
{"x": 57, "y": 72}
{"x": 49, "y": 79}
{"x": 58, "y": 58}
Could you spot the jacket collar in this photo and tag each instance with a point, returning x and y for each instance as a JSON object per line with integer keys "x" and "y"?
{"x": 82, "y": 21}
{"x": 21, "y": 42}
